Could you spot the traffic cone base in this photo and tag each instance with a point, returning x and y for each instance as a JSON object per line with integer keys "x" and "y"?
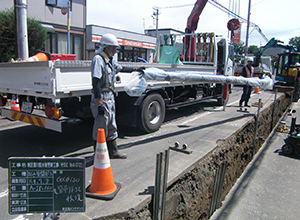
{"x": 106, "y": 184}
{"x": 102, "y": 185}
{"x": 103, "y": 197}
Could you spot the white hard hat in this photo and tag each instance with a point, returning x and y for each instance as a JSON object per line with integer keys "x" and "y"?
{"x": 109, "y": 40}
{"x": 250, "y": 59}
{"x": 297, "y": 64}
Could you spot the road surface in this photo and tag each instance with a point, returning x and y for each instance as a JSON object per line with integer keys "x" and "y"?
{"x": 197, "y": 126}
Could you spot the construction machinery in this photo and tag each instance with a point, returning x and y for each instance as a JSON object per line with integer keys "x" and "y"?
{"x": 263, "y": 58}
{"x": 285, "y": 70}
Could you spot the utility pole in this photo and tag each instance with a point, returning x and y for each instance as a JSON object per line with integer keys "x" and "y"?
{"x": 68, "y": 49}
{"x": 248, "y": 24}
{"x": 21, "y": 28}
{"x": 156, "y": 13}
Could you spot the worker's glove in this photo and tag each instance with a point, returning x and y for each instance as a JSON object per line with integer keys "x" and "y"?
{"x": 141, "y": 72}
{"x": 101, "y": 110}
{"x": 141, "y": 69}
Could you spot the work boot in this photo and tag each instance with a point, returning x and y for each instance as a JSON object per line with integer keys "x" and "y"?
{"x": 246, "y": 105}
{"x": 113, "y": 150}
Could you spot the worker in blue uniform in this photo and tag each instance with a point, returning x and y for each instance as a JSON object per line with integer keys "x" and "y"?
{"x": 247, "y": 72}
{"x": 104, "y": 69}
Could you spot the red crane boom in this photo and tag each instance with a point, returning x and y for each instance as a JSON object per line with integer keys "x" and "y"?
{"x": 191, "y": 26}
{"x": 193, "y": 19}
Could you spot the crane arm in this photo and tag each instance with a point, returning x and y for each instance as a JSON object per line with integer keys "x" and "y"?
{"x": 192, "y": 22}
{"x": 277, "y": 43}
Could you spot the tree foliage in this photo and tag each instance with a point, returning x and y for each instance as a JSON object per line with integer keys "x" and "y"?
{"x": 252, "y": 49}
{"x": 239, "y": 51}
{"x": 37, "y": 35}
{"x": 7, "y": 35}
{"x": 295, "y": 41}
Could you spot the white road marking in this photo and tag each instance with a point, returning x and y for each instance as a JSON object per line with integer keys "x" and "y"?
{"x": 4, "y": 193}
{"x": 207, "y": 113}
{"x": 20, "y": 217}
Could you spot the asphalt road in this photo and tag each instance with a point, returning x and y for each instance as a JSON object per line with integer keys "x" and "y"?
{"x": 136, "y": 174}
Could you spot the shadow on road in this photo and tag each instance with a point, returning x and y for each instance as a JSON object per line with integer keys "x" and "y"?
{"x": 171, "y": 115}
{"x": 31, "y": 141}
{"x": 180, "y": 132}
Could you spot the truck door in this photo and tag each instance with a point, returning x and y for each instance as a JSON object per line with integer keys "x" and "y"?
{"x": 286, "y": 71}
{"x": 225, "y": 64}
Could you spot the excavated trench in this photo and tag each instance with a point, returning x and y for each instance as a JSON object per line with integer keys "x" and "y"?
{"x": 190, "y": 195}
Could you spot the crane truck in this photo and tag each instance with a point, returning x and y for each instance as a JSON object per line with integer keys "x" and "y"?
{"x": 52, "y": 93}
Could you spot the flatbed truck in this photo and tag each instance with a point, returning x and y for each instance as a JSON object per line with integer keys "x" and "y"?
{"x": 53, "y": 93}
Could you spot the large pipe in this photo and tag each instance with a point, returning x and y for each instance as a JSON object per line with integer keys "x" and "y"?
{"x": 154, "y": 74}
{"x": 138, "y": 82}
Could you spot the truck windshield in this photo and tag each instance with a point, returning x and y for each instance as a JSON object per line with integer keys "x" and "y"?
{"x": 295, "y": 58}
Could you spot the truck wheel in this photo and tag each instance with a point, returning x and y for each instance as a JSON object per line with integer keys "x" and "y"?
{"x": 152, "y": 113}
{"x": 287, "y": 149}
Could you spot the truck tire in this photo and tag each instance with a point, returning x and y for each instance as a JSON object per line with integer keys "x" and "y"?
{"x": 151, "y": 113}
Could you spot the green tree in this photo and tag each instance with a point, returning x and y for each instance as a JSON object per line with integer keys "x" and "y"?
{"x": 295, "y": 41}
{"x": 252, "y": 49}
{"x": 37, "y": 35}
{"x": 239, "y": 50}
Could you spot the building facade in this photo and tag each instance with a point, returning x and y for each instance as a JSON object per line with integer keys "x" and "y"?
{"x": 134, "y": 47}
{"x": 51, "y": 15}
{"x": 85, "y": 39}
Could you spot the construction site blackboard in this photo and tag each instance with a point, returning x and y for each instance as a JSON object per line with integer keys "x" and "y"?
{"x": 46, "y": 184}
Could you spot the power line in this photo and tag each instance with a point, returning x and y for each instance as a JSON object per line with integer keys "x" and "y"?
{"x": 226, "y": 10}
{"x": 175, "y": 6}
{"x": 257, "y": 3}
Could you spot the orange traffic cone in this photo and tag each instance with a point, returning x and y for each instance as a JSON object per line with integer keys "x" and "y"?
{"x": 14, "y": 105}
{"x": 38, "y": 57}
{"x": 103, "y": 185}
{"x": 256, "y": 90}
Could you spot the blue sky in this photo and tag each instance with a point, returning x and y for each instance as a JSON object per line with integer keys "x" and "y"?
{"x": 276, "y": 18}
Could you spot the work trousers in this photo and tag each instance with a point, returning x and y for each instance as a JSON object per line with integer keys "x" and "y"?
{"x": 105, "y": 119}
{"x": 246, "y": 94}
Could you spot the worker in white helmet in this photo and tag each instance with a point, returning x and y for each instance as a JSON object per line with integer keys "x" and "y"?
{"x": 247, "y": 72}
{"x": 103, "y": 70}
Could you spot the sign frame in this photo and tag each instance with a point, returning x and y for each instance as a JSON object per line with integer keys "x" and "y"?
{"x": 46, "y": 184}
